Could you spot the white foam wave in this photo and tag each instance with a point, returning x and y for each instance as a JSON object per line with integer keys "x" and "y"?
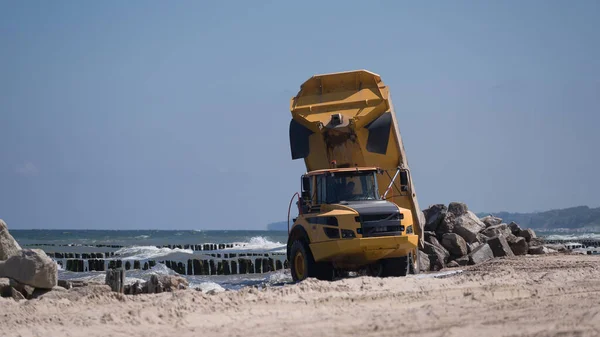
{"x": 280, "y": 276}
{"x": 259, "y": 243}
{"x": 209, "y": 286}
{"x": 573, "y": 236}
{"x": 142, "y": 237}
{"x": 149, "y": 252}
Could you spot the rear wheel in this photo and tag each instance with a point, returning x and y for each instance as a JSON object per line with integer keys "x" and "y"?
{"x": 398, "y": 266}
{"x": 375, "y": 269}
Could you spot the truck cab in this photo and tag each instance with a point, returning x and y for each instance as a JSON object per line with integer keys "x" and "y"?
{"x": 344, "y": 224}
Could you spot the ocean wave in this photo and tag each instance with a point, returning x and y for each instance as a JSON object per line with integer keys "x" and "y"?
{"x": 151, "y": 253}
{"x": 573, "y": 236}
{"x": 259, "y": 243}
{"x": 142, "y": 237}
{"x": 208, "y": 286}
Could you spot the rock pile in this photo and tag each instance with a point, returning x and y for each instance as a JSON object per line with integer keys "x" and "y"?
{"x": 455, "y": 236}
{"x": 24, "y": 273}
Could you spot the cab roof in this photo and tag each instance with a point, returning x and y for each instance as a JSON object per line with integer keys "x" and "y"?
{"x": 344, "y": 169}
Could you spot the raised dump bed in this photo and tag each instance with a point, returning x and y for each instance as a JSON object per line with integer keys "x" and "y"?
{"x": 348, "y": 120}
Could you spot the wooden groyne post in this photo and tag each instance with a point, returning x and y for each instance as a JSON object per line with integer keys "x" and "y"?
{"x": 115, "y": 279}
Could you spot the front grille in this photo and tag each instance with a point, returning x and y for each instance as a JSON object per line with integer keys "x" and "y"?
{"x": 382, "y": 224}
{"x": 379, "y": 217}
{"x": 382, "y": 231}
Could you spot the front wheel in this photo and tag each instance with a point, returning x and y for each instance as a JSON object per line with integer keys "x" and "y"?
{"x": 300, "y": 261}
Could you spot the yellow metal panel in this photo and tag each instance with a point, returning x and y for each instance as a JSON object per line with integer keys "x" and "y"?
{"x": 364, "y": 250}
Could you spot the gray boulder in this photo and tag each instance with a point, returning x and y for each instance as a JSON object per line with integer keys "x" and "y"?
{"x": 438, "y": 256}
{"x": 458, "y": 208}
{"x": 462, "y": 261}
{"x": 452, "y": 264}
{"x": 446, "y": 225}
{"x": 499, "y": 246}
{"x": 424, "y": 263}
{"x": 455, "y": 244}
{"x": 468, "y": 226}
{"x": 517, "y": 244}
{"x": 471, "y": 246}
{"x": 497, "y": 230}
{"x": 434, "y": 216}
{"x": 515, "y": 229}
{"x": 24, "y": 289}
{"x": 536, "y": 250}
{"x": 4, "y": 285}
{"x": 430, "y": 237}
{"x": 528, "y": 234}
{"x": 31, "y": 267}
{"x": 481, "y": 254}
{"x": 163, "y": 283}
{"x": 8, "y": 245}
{"x": 491, "y": 221}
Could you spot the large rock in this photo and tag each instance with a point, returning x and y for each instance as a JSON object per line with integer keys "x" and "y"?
{"x": 481, "y": 254}
{"x": 452, "y": 264}
{"x": 497, "y": 230}
{"x": 468, "y": 226}
{"x": 514, "y": 227}
{"x": 430, "y": 237}
{"x": 517, "y": 244}
{"x": 462, "y": 261}
{"x": 528, "y": 234}
{"x": 424, "y": 263}
{"x": 536, "y": 250}
{"x": 455, "y": 244}
{"x": 438, "y": 256}
{"x": 446, "y": 225}
{"x": 458, "y": 208}
{"x": 31, "y": 267}
{"x": 4, "y": 285}
{"x": 24, "y": 289}
{"x": 499, "y": 246}
{"x": 491, "y": 221}
{"x": 434, "y": 216}
{"x": 162, "y": 283}
{"x": 8, "y": 245}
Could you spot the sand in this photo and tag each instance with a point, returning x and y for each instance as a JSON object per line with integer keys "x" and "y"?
{"x": 552, "y": 295}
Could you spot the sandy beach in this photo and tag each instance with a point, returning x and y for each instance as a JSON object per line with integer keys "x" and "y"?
{"x": 551, "y": 295}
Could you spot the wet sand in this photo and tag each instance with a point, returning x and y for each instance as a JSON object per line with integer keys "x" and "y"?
{"x": 551, "y": 295}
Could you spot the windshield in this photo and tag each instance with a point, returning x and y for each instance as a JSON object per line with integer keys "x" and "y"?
{"x": 350, "y": 186}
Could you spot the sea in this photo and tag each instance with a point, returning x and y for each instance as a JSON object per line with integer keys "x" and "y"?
{"x": 164, "y": 245}
{"x": 150, "y": 245}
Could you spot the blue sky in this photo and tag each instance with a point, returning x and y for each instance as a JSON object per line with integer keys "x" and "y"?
{"x": 174, "y": 115}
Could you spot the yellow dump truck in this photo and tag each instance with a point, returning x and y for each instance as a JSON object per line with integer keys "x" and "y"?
{"x": 358, "y": 208}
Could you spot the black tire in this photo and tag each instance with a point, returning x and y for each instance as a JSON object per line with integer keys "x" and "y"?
{"x": 375, "y": 269}
{"x": 324, "y": 271}
{"x": 301, "y": 261}
{"x": 398, "y": 266}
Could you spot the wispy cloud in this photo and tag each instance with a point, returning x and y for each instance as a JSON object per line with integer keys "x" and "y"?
{"x": 27, "y": 169}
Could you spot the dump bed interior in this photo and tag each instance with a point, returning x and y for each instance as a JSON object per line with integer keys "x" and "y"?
{"x": 349, "y": 118}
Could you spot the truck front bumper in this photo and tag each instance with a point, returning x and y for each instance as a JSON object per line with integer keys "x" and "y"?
{"x": 362, "y": 251}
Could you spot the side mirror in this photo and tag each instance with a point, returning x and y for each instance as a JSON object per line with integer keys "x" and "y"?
{"x": 305, "y": 184}
{"x": 404, "y": 180}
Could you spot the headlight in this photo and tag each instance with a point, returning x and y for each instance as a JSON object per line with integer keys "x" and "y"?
{"x": 348, "y": 234}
